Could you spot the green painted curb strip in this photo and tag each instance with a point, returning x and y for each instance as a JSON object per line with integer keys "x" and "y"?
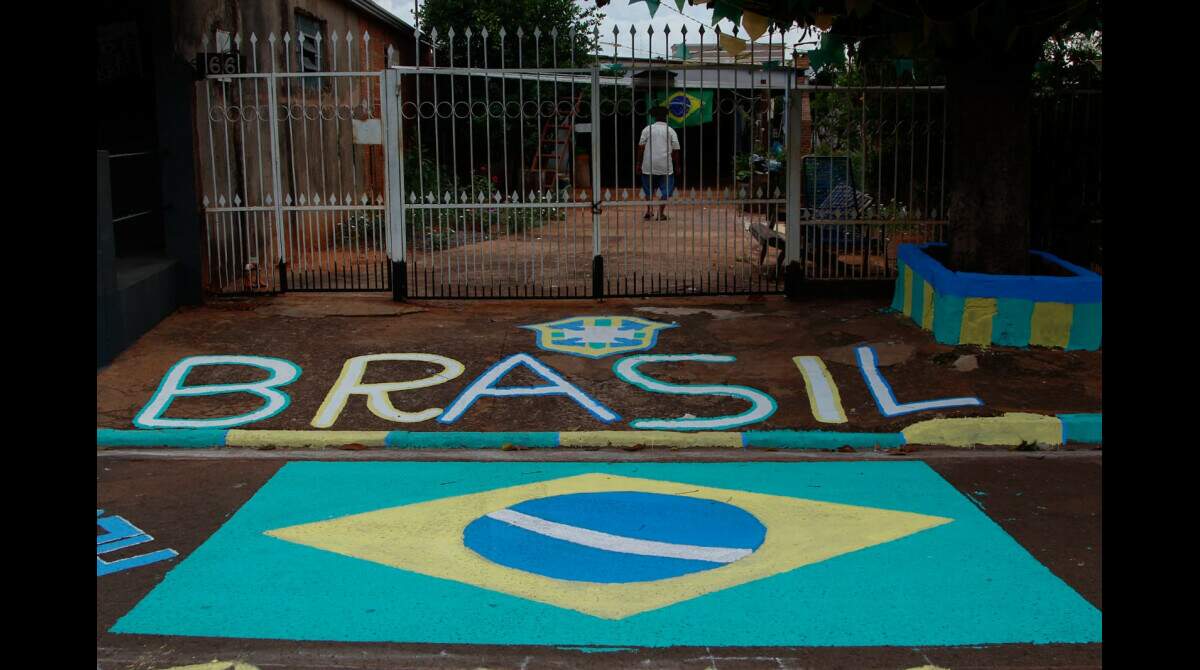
{"x": 185, "y": 438}
{"x": 1082, "y": 428}
{"x": 1077, "y": 428}
{"x": 898, "y": 292}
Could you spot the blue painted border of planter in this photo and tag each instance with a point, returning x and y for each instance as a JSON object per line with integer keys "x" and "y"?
{"x": 1085, "y": 287}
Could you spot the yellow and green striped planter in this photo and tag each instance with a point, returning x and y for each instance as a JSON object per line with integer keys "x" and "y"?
{"x": 1009, "y": 310}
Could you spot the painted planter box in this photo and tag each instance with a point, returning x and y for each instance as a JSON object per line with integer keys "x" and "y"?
{"x": 1009, "y": 310}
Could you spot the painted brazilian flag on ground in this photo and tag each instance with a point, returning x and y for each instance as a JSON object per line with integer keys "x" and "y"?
{"x": 684, "y": 107}
{"x": 615, "y": 554}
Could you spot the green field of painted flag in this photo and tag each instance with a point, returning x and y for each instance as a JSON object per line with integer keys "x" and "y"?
{"x": 684, "y": 107}
{"x": 615, "y": 554}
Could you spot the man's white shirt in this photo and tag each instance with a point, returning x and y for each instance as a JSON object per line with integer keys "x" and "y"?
{"x": 660, "y": 140}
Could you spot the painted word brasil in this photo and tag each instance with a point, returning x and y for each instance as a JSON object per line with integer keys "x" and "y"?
{"x": 822, "y": 392}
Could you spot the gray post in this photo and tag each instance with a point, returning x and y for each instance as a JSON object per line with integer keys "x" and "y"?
{"x": 794, "y": 270}
{"x": 389, "y": 91}
{"x": 597, "y": 252}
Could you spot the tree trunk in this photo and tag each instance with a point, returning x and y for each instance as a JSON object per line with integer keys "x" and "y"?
{"x": 989, "y": 101}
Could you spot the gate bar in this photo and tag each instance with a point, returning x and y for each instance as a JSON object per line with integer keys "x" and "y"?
{"x": 389, "y": 90}
{"x": 793, "y": 269}
{"x": 277, "y": 175}
{"x": 597, "y": 259}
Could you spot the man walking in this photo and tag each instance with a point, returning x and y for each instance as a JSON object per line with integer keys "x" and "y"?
{"x": 658, "y": 160}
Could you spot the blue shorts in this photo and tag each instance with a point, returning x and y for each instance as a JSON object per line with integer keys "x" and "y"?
{"x": 664, "y": 183}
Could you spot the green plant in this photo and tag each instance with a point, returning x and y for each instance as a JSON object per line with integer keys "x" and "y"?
{"x": 741, "y": 167}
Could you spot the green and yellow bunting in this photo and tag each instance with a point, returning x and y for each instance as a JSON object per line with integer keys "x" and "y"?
{"x": 755, "y": 24}
{"x": 722, "y": 9}
{"x": 732, "y": 45}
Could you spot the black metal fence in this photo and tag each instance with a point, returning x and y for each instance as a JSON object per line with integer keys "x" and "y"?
{"x": 1067, "y": 203}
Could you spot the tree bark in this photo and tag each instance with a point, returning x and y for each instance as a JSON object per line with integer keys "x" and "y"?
{"x": 988, "y": 114}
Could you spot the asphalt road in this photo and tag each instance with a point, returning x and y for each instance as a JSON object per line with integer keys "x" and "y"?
{"x": 1047, "y": 502}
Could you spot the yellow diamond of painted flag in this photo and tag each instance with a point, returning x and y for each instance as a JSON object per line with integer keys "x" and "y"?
{"x": 606, "y": 545}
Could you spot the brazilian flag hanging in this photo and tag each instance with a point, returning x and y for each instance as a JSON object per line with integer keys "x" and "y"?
{"x": 684, "y": 107}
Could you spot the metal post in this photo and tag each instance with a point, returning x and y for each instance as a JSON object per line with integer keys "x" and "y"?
{"x": 794, "y": 270}
{"x": 597, "y": 258}
{"x": 394, "y": 182}
{"x": 277, "y": 178}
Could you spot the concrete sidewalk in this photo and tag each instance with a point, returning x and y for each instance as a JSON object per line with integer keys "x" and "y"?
{"x": 319, "y": 332}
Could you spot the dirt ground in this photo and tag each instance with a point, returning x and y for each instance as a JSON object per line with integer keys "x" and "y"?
{"x": 704, "y": 246}
{"x": 1049, "y": 503}
{"x": 319, "y": 332}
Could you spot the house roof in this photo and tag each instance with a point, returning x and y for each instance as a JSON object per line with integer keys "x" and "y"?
{"x": 757, "y": 52}
{"x": 375, "y": 10}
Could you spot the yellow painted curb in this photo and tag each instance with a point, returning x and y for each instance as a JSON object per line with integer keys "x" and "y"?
{"x": 1009, "y": 430}
{"x": 649, "y": 438}
{"x": 305, "y": 438}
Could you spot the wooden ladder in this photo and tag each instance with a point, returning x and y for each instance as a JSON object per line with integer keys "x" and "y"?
{"x": 554, "y": 154}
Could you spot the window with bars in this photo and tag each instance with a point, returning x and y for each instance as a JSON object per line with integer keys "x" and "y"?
{"x": 308, "y": 55}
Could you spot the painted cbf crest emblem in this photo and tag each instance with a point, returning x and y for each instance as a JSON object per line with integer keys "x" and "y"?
{"x": 606, "y": 545}
{"x": 598, "y": 336}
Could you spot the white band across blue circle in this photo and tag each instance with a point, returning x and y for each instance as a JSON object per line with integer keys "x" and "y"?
{"x": 615, "y": 537}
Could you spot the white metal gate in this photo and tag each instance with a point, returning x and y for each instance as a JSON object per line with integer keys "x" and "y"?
{"x": 293, "y": 167}
{"x": 504, "y": 166}
{"x": 518, "y": 172}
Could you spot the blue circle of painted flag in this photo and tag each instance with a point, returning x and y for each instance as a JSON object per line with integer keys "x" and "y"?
{"x": 616, "y": 536}
{"x": 680, "y": 105}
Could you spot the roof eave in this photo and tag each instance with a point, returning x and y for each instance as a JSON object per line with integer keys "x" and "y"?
{"x": 380, "y": 13}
